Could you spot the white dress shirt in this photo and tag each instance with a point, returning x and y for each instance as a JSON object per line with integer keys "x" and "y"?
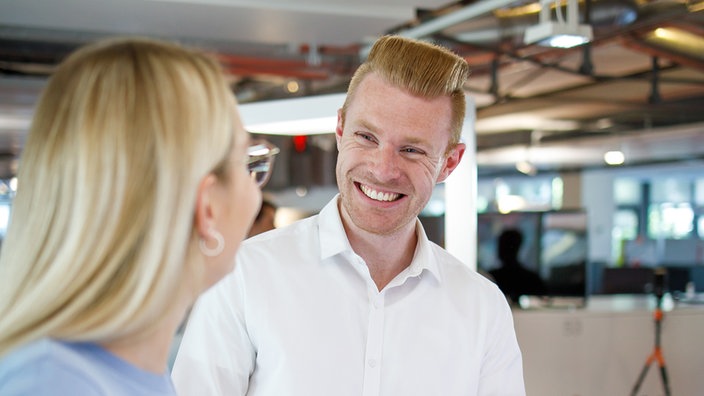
{"x": 301, "y": 316}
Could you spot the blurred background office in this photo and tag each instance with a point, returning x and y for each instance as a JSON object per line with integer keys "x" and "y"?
{"x": 612, "y": 127}
{"x": 595, "y": 152}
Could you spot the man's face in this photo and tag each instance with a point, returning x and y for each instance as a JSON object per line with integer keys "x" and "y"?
{"x": 392, "y": 150}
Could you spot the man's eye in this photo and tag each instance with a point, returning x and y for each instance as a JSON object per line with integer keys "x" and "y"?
{"x": 412, "y": 150}
{"x": 366, "y": 137}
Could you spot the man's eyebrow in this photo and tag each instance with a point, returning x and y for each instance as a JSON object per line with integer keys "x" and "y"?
{"x": 367, "y": 125}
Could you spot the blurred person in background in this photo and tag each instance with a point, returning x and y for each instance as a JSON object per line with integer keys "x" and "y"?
{"x": 265, "y": 220}
{"x": 512, "y": 277}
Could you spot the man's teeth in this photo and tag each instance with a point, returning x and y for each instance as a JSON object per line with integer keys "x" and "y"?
{"x": 378, "y": 196}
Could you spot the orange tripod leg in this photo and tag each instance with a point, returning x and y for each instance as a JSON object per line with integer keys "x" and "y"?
{"x": 656, "y": 356}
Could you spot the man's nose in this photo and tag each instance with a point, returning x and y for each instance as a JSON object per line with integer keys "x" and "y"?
{"x": 387, "y": 163}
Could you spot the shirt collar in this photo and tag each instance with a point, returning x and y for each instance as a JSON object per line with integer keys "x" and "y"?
{"x": 333, "y": 241}
{"x": 423, "y": 259}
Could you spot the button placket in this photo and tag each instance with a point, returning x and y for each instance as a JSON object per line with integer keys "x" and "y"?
{"x": 375, "y": 342}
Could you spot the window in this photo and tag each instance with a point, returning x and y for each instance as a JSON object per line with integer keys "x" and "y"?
{"x": 670, "y": 220}
{"x": 625, "y": 228}
{"x": 627, "y": 191}
{"x": 657, "y": 209}
{"x": 510, "y": 194}
{"x": 4, "y": 218}
{"x": 699, "y": 207}
{"x": 670, "y": 213}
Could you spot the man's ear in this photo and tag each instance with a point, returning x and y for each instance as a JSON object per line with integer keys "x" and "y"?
{"x": 205, "y": 210}
{"x": 451, "y": 161}
{"x": 340, "y": 126}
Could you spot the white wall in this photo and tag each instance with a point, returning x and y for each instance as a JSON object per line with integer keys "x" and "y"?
{"x": 600, "y": 352}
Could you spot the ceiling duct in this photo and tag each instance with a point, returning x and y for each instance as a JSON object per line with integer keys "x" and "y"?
{"x": 495, "y": 21}
{"x": 510, "y": 24}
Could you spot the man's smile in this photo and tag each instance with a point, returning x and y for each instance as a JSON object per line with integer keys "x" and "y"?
{"x": 378, "y": 195}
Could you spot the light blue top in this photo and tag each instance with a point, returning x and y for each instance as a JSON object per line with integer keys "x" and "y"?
{"x": 51, "y": 367}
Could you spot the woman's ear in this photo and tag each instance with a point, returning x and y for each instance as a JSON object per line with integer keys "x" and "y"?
{"x": 205, "y": 206}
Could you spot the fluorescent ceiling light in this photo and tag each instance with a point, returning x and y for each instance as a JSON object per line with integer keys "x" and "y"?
{"x": 680, "y": 40}
{"x": 309, "y": 126}
{"x": 554, "y": 34}
{"x": 507, "y": 122}
{"x": 560, "y": 33}
{"x": 308, "y": 115}
{"x": 18, "y": 122}
{"x": 614, "y": 158}
{"x": 370, "y": 9}
{"x": 527, "y": 168}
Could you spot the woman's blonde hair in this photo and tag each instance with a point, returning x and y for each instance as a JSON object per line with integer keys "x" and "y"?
{"x": 102, "y": 223}
{"x": 423, "y": 69}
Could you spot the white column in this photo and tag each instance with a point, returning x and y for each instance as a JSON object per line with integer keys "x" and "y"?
{"x": 461, "y": 198}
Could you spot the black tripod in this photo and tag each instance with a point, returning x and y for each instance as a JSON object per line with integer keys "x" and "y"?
{"x": 656, "y": 356}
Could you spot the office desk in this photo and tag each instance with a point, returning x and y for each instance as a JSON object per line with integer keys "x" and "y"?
{"x": 601, "y": 349}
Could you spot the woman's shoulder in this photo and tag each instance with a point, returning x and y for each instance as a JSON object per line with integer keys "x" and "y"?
{"x": 45, "y": 367}
{"x": 50, "y": 367}
{"x": 36, "y": 355}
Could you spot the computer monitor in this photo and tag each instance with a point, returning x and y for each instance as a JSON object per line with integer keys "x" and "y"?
{"x": 564, "y": 252}
{"x": 554, "y": 246}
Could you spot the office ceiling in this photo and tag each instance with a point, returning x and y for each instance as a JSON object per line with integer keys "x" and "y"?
{"x": 638, "y": 87}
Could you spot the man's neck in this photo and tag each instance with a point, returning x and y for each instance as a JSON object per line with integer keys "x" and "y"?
{"x": 385, "y": 255}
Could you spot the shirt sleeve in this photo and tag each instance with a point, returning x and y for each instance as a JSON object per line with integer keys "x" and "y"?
{"x": 216, "y": 356}
{"x": 502, "y": 366}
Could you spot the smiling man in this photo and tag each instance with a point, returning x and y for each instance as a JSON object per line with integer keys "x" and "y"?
{"x": 357, "y": 300}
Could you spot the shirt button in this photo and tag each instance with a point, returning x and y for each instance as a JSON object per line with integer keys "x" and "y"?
{"x": 372, "y": 363}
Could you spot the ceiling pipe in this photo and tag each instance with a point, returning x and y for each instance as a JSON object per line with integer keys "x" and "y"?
{"x": 655, "y": 97}
{"x": 587, "y": 67}
{"x": 496, "y": 26}
{"x": 443, "y": 22}
{"x": 505, "y": 24}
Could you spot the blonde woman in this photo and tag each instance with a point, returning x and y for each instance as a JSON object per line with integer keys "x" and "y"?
{"x": 134, "y": 195}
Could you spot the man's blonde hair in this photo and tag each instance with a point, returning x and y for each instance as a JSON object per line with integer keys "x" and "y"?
{"x": 101, "y": 230}
{"x": 423, "y": 69}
